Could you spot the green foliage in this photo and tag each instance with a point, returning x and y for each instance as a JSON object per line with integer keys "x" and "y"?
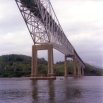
{"x": 20, "y": 65}
{"x": 15, "y": 65}
{"x": 91, "y": 70}
{"x": 42, "y": 69}
{"x": 59, "y": 68}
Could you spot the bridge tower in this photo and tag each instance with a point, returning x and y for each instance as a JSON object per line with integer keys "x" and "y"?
{"x": 47, "y": 33}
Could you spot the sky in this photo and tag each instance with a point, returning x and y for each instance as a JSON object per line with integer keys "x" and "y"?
{"x": 81, "y": 20}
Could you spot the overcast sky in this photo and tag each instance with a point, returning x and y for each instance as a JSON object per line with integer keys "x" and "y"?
{"x": 81, "y": 20}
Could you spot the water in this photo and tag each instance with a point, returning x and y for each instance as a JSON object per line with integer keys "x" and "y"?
{"x": 70, "y": 90}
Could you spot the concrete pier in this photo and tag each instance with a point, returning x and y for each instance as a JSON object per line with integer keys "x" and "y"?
{"x": 65, "y": 67}
{"x": 34, "y": 71}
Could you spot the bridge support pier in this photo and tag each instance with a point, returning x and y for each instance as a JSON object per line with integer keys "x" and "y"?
{"x": 77, "y": 70}
{"x": 74, "y": 68}
{"x": 65, "y": 67}
{"x": 82, "y": 71}
{"x": 50, "y": 60}
{"x": 34, "y": 62}
{"x": 34, "y": 73}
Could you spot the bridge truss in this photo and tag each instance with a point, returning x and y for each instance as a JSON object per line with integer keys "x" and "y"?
{"x": 45, "y": 28}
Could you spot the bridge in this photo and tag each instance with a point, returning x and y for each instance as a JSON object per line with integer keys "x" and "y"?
{"x": 47, "y": 33}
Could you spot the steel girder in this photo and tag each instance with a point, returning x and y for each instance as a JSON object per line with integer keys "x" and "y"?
{"x": 44, "y": 26}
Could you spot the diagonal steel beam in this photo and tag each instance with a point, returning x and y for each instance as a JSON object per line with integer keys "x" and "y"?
{"x": 44, "y": 26}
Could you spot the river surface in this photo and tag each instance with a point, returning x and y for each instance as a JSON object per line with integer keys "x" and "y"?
{"x": 70, "y": 90}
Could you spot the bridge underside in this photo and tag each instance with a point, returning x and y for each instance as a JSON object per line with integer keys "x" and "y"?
{"x": 47, "y": 33}
{"x": 77, "y": 71}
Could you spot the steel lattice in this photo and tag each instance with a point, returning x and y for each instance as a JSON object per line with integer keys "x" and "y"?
{"x": 44, "y": 26}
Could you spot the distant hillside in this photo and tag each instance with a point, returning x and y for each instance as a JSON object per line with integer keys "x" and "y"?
{"x": 20, "y": 65}
{"x": 14, "y": 65}
{"x": 92, "y": 70}
{"x": 88, "y": 71}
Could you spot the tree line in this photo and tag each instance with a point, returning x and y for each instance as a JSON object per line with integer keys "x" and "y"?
{"x": 20, "y": 65}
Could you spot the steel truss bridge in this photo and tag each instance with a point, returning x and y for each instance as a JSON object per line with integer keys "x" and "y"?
{"x": 45, "y": 28}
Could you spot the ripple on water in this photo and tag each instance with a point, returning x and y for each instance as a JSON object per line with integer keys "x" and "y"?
{"x": 70, "y": 90}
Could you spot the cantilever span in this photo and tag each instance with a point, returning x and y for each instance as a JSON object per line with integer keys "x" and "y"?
{"x": 46, "y": 33}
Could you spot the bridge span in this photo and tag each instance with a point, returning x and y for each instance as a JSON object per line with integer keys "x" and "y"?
{"x": 47, "y": 33}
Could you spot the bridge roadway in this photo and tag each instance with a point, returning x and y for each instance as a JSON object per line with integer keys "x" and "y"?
{"x": 45, "y": 28}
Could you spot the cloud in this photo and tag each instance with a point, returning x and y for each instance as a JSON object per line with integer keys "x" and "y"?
{"x": 81, "y": 20}
{"x": 20, "y": 43}
{"x": 10, "y": 19}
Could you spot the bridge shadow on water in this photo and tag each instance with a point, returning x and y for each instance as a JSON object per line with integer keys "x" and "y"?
{"x": 59, "y": 91}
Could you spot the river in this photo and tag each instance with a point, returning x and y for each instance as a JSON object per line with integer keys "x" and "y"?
{"x": 88, "y": 89}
